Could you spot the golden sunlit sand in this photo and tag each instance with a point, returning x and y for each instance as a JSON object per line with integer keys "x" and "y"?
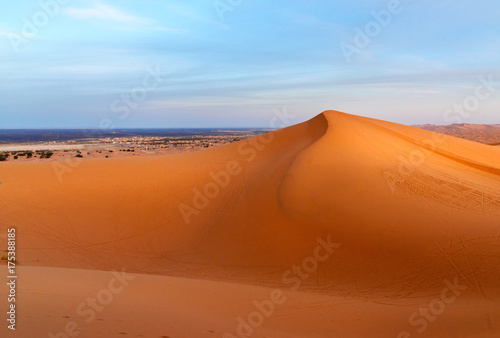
{"x": 341, "y": 226}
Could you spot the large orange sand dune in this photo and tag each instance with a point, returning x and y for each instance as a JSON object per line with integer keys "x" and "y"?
{"x": 360, "y": 222}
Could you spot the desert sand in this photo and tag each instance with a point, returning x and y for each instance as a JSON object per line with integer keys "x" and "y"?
{"x": 341, "y": 226}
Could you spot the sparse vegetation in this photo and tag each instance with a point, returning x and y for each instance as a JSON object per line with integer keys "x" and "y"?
{"x": 46, "y": 154}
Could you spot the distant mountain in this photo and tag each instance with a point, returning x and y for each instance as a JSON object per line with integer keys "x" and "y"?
{"x": 483, "y": 133}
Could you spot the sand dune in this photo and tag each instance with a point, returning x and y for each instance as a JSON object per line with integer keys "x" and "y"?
{"x": 359, "y": 222}
{"x": 55, "y": 303}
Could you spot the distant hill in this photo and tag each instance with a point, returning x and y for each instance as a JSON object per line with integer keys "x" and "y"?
{"x": 483, "y": 133}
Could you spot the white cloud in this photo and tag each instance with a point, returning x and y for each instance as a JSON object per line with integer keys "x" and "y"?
{"x": 111, "y": 14}
{"x": 6, "y": 34}
{"x": 105, "y": 12}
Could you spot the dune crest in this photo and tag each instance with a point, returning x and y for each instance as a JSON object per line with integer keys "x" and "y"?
{"x": 409, "y": 208}
{"x": 357, "y": 220}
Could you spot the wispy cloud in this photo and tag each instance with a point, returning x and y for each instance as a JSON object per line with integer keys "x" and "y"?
{"x": 109, "y": 14}
{"x": 105, "y": 12}
{"x": 272, "y": 53}
{"x": 100, "y": 12}
{"x": 5, "y": 33}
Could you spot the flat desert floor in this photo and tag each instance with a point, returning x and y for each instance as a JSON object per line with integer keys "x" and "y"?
{"x": 341, "y": 226}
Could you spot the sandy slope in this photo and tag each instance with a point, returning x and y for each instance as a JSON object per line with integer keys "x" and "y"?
{"x": 55, "y": 301}
{"x": 410, "y": 211}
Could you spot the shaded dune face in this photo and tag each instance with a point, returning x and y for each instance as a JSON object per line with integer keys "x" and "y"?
{"x": 409, "y": 209}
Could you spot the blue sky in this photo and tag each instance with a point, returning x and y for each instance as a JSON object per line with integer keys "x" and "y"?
{"x": 230, "y": 63}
